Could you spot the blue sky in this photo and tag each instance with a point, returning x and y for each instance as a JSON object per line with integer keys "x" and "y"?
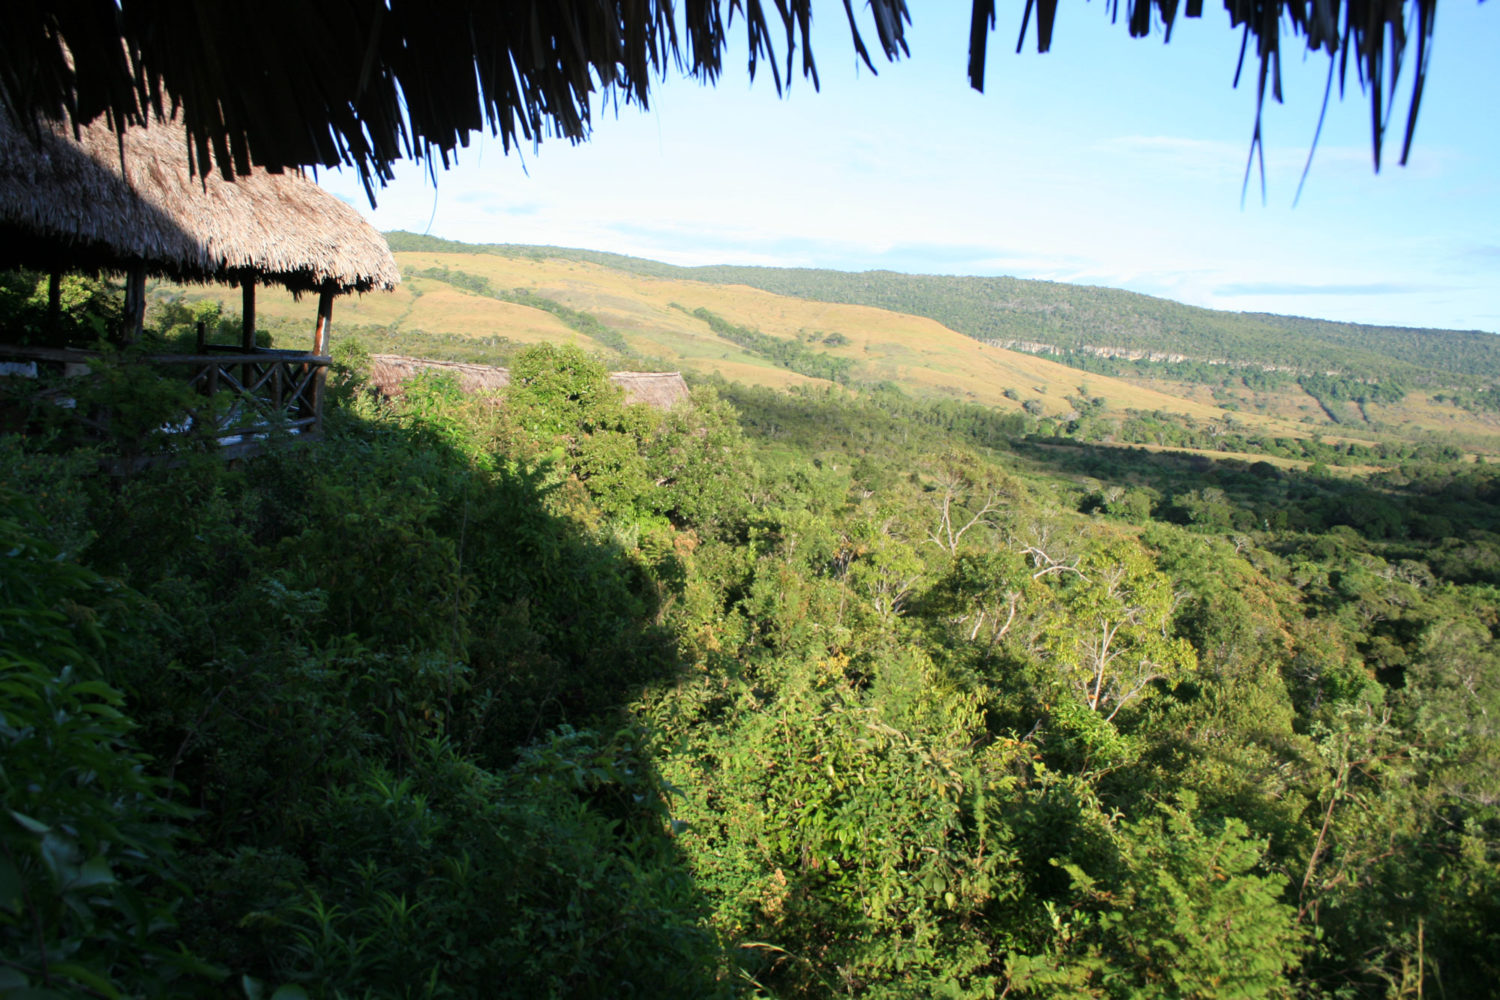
{"x": 1108, "y": 161}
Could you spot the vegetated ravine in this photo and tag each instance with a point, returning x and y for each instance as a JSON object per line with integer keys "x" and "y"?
{"x": 796, "y": 692}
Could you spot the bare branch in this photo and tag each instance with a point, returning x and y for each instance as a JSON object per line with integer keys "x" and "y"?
{"x": 1045, "y": 564}
{"x": 945, "y": 536}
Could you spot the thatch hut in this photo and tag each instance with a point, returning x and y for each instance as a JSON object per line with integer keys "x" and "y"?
{"x": 93, "y": 199}
{"x": 389, "y": 372}
{"x": 663, "y": 390}
{"x": 88, "y": 198}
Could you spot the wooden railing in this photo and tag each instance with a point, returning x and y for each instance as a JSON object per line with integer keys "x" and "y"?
{"x": 270, "y": 388}
{"x": 267, "y": 390}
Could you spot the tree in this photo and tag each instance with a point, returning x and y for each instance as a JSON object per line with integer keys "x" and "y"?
{"x": 984, "y": 593}
{"x": 1113, "y": 636}
{"x": 87, "y": 834}
{"x": 700, "y": 462}
{"x": 562, "y": 408}
{"x": 1174, "y": 907}
{"x": 560, "y": 391}
{"x": 963, "y": 497}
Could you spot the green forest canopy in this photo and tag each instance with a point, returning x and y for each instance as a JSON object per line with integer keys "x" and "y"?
{"x": 771, "y": 695}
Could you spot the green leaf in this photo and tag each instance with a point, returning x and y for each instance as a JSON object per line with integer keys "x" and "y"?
{"x": 57, "y": 856}
{"x": 88, "y": 977}
{"x": 289, "y": 992}
{"x": 95, "y": 871}
{"x": 35, "y": 826}
{"x": 10, "y": 891}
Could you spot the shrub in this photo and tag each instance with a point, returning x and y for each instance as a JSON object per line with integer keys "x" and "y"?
{"x": 87, "y": 896}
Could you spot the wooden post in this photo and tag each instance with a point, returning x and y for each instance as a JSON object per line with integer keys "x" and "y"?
{"x": 247, "y": 327}
{"x": 135, "y": 303}
{"x": 320, "y": 347}
{"x": 325, "y": 319}
{"x": 247, "y": 297}
{"x": 54, "y": 301}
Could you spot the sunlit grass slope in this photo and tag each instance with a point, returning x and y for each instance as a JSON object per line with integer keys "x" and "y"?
{"x": 416, "y": 306}
{"x": 462, "y": 294}
{"x": 654, "y": 315}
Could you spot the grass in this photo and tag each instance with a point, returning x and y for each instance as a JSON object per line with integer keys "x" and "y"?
{"x": 926, "y": 359}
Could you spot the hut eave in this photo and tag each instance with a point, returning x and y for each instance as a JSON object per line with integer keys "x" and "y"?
{"x": 76, "y": 200}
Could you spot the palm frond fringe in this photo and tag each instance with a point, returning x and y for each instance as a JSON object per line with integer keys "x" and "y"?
{"x": 287, "y": 83}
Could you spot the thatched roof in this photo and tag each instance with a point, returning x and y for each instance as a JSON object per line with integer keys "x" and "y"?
{"x": 389, "y": 372}
{"x": 367, "y": 82}
{"x": 662, "y": 390}
{"x": 77, "y": 202}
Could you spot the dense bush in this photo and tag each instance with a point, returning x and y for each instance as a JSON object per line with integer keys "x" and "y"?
{"x": 801, "y": 694}
{"x": 90, "y": 836}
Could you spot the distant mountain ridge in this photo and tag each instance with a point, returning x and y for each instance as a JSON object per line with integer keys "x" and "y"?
{"x": 1083, "y": 320}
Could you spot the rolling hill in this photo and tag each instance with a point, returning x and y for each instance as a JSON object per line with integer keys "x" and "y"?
{"x": 1078, "y": 318}
{"x": 932, "y": 337}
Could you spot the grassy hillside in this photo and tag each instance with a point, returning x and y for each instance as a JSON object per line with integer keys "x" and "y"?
{"x": 640, "y": 321}
{"x": 484, "y": 303}
{"x": 1074, "y": 317}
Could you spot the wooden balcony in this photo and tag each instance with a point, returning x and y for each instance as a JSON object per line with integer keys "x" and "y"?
{"x": 248, "y": 395}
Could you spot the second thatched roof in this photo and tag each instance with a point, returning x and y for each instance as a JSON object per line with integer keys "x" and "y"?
{"x": 101, "y": 201}
{"x": 389, "y": 372}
